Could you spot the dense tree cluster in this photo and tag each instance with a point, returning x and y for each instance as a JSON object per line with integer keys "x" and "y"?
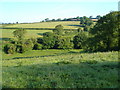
{"x": 105, "y": 33}
{"x": 104, "y": 36}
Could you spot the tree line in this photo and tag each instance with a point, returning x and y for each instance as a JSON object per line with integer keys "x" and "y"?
{"x": 71, "y": 19}
{"x": 103, "y": 36}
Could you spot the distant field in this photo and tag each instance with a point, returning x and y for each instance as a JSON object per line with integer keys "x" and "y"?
{"x": 8, "y": 33}
{"x": 66, "y": 24}
{"x": 60, "y": 69}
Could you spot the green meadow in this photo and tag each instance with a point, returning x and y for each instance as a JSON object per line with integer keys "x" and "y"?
{"x": 65, "y": 24}
{"x": 60, "y": 69}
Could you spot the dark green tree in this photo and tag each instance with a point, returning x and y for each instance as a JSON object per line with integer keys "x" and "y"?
{"x": 105, "y": 33}
{"x": 48, "y": 40}
{"x": 79, "y": 39}
{"x": 37, "y": 46}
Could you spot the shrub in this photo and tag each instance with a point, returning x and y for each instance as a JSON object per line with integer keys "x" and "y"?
{"x": 9, "y": 48}
{"x": 26, "y": 46}
{"x": 37, "y": 46}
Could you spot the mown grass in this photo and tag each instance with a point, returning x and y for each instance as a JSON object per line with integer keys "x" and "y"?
{"x": 66, "y": 25}
{"x": 62, "y": 69}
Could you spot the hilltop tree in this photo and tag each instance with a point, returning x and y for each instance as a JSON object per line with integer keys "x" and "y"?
{"x": 77, "y": 17}
{"x": 59, "y": 19}
{"x": 90, "y": 17}
{"x": 47, "y": 19}
{"x": 86, "y": 21}
{"x": 53, "y": 19}
{"x": 98, "y": 16}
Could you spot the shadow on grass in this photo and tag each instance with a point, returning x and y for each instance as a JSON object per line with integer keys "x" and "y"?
{"x": 35, "y": 56}
{"x": 5, "y": 39}
{"x": 55, "y": 54}
{"x": 66, "y": 75}
{"x": 74, "y": 25}
{"x": 40, "y": 34}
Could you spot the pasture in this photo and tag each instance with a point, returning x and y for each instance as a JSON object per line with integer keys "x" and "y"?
{"x": 65, "y": 24}
{"x": 60, "y": 69}
{"x": 33, "y": 33}
{"x": 8, "y": 33}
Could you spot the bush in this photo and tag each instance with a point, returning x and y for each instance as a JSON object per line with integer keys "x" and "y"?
{"x": 19, "y": 48}
{"x": 40, "y": 40}
{"x": 37, "y": 46}
{"x": 26, "y": 46}
{"x": 9, "y": 48}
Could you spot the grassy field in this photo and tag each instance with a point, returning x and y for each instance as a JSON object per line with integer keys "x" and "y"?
{"x": 60, "y": 69}
{"x": 66, "y": 25}
{"x": 8, "y": 33}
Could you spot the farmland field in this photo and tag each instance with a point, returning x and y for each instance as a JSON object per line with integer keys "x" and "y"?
{"x": 66, "y": 25}
{"x": 8, "y": 33}
{"x": 60, "y": 69}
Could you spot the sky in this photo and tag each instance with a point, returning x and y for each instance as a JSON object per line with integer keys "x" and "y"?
{"x": 23, "y": 11}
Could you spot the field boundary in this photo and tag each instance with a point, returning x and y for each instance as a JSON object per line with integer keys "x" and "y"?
{"x": 37, "y": 28}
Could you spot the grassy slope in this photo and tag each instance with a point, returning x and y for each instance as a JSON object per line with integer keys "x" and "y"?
{"x": 66, "y": 24}
{"x": 64, "y": 69}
